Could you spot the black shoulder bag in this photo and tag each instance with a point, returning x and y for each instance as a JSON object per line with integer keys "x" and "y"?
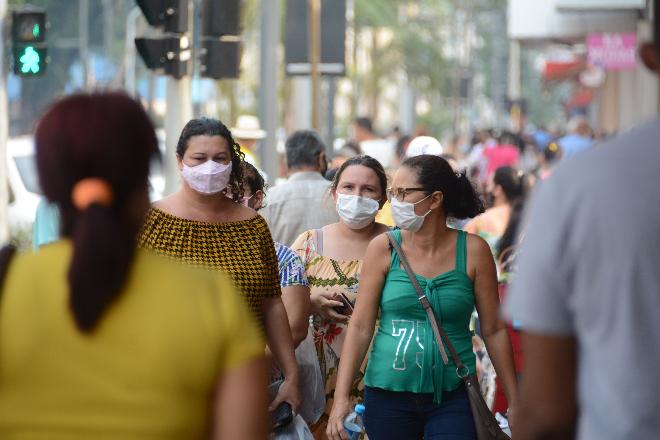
{"x": 485, "y": 424}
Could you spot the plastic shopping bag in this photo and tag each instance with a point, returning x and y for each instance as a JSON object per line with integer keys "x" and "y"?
{"x": 312, "y": 384}
{"x": 296, "y": 430}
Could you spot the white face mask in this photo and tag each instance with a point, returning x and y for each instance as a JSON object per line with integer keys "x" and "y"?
{"x": 208, "y": 178}
{"x": 356, "y": 212}
{"x": 403, "y": 214}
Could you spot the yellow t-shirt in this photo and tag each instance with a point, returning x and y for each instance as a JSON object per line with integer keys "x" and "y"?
{"x": 147, "y": 371}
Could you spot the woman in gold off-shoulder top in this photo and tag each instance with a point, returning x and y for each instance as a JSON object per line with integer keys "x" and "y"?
{"x": 203, "y": 225}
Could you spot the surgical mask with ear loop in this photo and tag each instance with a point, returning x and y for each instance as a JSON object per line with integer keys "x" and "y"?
{"x": 208, "y": 178}
{"x": 356, "y": 212}
{"x": 403, "y": 214}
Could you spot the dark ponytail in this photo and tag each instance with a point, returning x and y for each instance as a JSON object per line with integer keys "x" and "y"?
{"x": 102, "y": 255}
{"x": 106, "y": 138}
{"x": 464, "y": 202}
{"x": 513, "y": 182}
{"x": 461, "y": 199}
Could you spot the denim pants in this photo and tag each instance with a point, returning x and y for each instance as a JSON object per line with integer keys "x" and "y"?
{"x": 393, "y": 415}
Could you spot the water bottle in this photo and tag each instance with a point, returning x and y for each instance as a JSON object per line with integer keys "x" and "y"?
{"x": 353, "y": 423}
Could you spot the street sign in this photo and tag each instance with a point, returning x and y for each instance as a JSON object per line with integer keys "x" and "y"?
{"x": 612, "y": 51}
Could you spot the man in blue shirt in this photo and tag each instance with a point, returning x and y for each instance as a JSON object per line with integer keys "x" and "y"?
{"x": 579, "y": 139}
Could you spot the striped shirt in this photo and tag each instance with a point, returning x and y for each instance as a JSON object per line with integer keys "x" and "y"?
{"x": 292, "y": 271}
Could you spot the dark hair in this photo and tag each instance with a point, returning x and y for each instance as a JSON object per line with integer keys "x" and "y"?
{"x": 303, "y": 148}
{"x": 365, "y": 123}
{"x": 434, "y": 173}
{"x": 253, "y": 178}
{"x": 401, "y": 145}
{"x": 512, "y": 182}
{"x": 552, "y": 152}
{"x": 212, "y": 127}
{"x": 352, "y": 147}
{"x": 511, "y": 234}
{"x": 107, "y": 136}
{"x": 365, "y": 161}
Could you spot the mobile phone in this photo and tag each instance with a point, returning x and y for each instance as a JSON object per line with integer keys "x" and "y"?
{"x": 282, "y": 416}
{"x": 346, "y": 308}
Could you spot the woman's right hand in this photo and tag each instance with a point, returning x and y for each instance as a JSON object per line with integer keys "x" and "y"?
{"x": 324, "y": 304}
{"x": 335, "y": 430}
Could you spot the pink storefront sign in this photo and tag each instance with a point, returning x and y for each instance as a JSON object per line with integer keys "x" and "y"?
{"x": 613, "y": 51}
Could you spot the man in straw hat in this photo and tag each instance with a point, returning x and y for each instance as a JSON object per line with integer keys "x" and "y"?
{"x": 248, "y": 133}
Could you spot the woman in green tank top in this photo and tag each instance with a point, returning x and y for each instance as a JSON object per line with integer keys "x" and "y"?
{"x": 410, "y": 393}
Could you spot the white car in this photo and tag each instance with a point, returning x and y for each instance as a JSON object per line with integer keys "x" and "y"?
{"x": 24, "y": 191}
{"x": 23, "y": 182}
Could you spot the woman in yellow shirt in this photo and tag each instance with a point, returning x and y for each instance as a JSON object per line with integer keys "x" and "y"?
{"x": 100, "y": 340}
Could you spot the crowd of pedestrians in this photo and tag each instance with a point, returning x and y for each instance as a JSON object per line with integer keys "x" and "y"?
{"x": 234, "y": 310}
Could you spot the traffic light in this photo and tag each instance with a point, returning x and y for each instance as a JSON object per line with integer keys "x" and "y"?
{"x": 221, "y": 46}
{"x": 221, "y": 17}
{"x": 220, "y": 59}
{"x": 172, "y": 15}
{"x": 29, "y": 50}
{"x": 170, "y": 53}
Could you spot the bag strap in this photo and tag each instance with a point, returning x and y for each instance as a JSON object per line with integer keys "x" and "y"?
{"x": 319, "y": 241}
{"x": 437, "y": 331}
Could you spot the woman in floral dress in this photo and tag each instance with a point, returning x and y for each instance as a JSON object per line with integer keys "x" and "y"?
{"x": 333, "y": 259}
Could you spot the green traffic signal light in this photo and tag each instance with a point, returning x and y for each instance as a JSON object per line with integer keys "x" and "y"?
{"x": 30, "y": 61}
{"x": 29, "y": 27}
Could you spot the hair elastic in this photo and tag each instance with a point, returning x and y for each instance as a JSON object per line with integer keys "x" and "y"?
{"x": 91, "y": 190}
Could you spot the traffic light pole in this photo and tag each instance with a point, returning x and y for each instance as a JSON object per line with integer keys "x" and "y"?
{"x": 314, "y": 21}
{"x": 83, "y": 40}
{"x": 179, "y": 112}
{"x": 270, "y": 37}
{"x": 4, "y": 128}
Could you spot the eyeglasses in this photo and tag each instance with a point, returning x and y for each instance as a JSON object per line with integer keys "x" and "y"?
{"x": 401, "y": 193}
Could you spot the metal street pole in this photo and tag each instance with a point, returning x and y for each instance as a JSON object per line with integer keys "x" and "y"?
{"x": 179, "y": 112}
{"x": 130, "y": 57}
{"x": 108, "y": 23}
{"x": 4, "y": 128}
{"x": 270, "y": 38}
{"x": 314, "y": 18}
{"x": 514, "y": 84}
{"x": 83, "y": 40}
{"x": 330, "y": 114}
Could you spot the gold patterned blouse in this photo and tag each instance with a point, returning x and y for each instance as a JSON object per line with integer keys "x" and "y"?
{"x": 243, "y": 249}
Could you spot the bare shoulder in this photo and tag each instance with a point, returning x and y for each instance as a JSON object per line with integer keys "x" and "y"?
{"x": 379, "y": 244}
{"x": 378, "y": 254}
{"x": 238, "y": 212}
{"x": 477, "y": 246}
{"x": 169, "y": 204}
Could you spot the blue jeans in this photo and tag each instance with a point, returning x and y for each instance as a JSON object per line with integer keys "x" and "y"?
{"x": 402, "y": 416}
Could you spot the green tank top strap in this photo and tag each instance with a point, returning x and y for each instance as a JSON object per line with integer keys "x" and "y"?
{"x": 461, "y": 251}
{"x": 395, "y": 261}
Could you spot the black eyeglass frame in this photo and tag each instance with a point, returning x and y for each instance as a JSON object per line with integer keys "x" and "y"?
{"x": 403, "y": 192}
